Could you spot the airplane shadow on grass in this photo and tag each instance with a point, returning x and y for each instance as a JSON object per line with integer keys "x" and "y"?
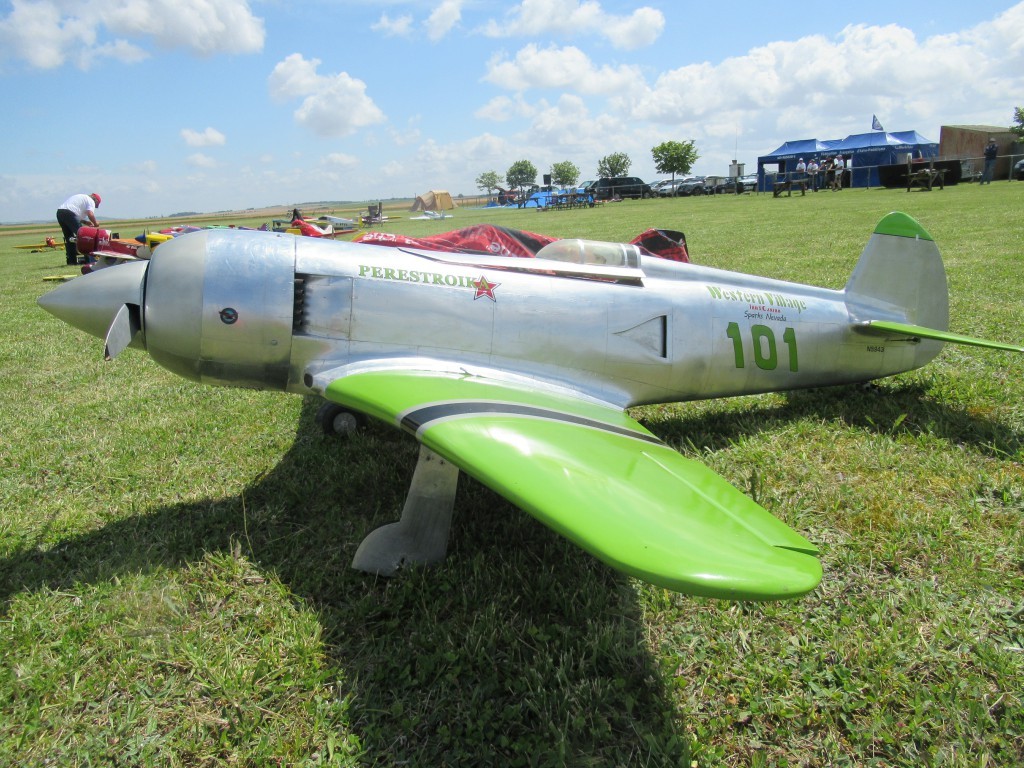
{"x": 890, "y": 409}
{"x": 518, "y": 648}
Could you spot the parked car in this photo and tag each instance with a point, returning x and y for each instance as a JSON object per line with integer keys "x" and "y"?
{"x": 749, "y": 182}
{"x": 607, "y": 188}
{"x": 736, "y": 185}
{"x": 658, "y": 186}
{"x": 1018, "y": 170}
{"x": 693, "y": 185}
{"x": 668, "y": 188}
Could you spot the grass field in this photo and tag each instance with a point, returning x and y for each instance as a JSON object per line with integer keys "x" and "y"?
{"x": 174, "y": 560}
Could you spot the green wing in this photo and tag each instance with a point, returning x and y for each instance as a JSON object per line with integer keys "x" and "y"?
{"x": 597, "y": 477}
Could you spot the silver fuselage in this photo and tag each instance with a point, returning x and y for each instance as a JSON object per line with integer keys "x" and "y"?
{"x": 276, "y": 311}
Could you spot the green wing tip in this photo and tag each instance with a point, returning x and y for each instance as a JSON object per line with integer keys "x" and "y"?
{"x": 899, "y": 224}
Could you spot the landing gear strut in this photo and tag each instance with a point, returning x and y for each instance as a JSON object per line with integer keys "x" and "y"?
{"x": 421, "y": 536}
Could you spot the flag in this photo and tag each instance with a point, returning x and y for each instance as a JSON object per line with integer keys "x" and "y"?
{"x": 875, "y": 125}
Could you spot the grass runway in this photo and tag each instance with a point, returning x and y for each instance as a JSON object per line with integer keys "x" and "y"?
{"x": 174, "y": 559}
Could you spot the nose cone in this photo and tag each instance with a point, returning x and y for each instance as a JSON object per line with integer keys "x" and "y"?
{"x": 91, "y": 302}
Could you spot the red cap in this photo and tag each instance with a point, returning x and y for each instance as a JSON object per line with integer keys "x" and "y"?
{"x": 95, "y": 196}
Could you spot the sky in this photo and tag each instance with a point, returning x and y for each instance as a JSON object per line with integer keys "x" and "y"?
{"x": 168, "y": 106}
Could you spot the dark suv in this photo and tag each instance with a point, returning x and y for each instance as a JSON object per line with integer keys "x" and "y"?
{"x": 620, "y": 186}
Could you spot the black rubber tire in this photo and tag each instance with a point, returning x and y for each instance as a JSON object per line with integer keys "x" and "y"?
{"x": 337, "y": 421}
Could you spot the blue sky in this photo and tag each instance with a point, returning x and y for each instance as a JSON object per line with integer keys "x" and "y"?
{"x": 165, "y": 106}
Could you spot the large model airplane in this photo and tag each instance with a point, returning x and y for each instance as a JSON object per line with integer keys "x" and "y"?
{"x": 519, "y": 373}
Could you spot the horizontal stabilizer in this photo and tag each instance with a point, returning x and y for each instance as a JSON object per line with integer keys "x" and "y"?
{"x": 885, "y": 328}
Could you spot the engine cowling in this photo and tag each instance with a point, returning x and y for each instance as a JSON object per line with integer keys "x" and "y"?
{"x": 88, "y": 240}
{"x": 218, "y": 307}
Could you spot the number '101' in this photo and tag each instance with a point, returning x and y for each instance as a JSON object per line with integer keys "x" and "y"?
{"x": 766, "y": 352}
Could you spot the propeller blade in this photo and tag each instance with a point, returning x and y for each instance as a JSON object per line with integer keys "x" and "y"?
{"x": 122, "y": 331}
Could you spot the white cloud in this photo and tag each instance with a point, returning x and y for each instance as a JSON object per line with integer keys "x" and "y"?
{"x": 638, "y": 30}
{"x": 403, "y": 138}
{"x": 400, "y": 27}
{"x": 501, "y": 109}
{"x": 393, "y": 169}
{"x": 119, "y": 50}
{"x": 437, "y": 25}
{"x": 38, "y": 33}
{"x": 548, "y": 126}
{"x": 795, "y": 86}
{"x": 572, "y": 17}
{"x": 199, "y": 160}
{"x": 436, "y": 162}
{"x": 443, "y": 18}
{"x": 332, "y": 106}
{"x": 340, "y": 160}
{"x": 293, "y": 77}
{"x": 47, "y": 34}
{"x": 210, "y": 137}
{"x": 566, "y": 68}
{"x": 204, "y": 26}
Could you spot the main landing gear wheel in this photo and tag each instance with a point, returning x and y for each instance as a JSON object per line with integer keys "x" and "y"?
{"x": 337, "y": 421}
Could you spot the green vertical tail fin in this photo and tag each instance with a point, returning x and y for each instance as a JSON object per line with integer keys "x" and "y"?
{"x": 900, "y": 277}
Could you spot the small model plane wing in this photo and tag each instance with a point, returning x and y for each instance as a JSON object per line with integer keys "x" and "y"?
{"x": 38, "y": 246}
{"x": 594, "y": 475}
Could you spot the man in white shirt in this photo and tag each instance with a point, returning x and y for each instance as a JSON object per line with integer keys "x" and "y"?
{"x": 840, "y": 168}
{"x": 70, "y": 215}
{"x": 812, "y": 171}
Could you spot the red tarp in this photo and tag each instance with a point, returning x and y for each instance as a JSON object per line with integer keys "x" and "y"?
{"x": 487, "y": 239}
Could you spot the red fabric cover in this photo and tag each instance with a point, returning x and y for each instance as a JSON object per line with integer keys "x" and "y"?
{"x": 92, "y": 240}
{"x": 489, "y": 239}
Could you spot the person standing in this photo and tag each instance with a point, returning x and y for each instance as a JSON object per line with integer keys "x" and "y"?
{"x": 991, "y": 152}
{"x": 828, "y": 173}
{"x": 839, "y": 168}
{"x": 812, "y": 171}
{"x": 70, "y": 216}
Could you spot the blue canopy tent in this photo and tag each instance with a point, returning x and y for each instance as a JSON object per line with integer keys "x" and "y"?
{"x": 864, "y": 152}
{"x": 787, "y": 156}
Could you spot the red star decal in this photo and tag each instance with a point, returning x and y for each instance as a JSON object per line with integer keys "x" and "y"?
{"x": 484, "y": 288}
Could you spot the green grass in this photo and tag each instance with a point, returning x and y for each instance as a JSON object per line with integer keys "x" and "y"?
{"x": 174, "y": 560}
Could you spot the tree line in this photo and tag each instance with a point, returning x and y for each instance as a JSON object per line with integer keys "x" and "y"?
{"x": 675, "y": 157}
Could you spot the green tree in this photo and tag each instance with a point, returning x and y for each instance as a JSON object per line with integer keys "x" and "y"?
{"x": 521, "y": 173}
{"x": 615, "y": 164}
{"x": 674, "y": 157}
{"x": 488, "y": 180}
{"x": 1018, "y": 118}
{"x": 564, "y": 174}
